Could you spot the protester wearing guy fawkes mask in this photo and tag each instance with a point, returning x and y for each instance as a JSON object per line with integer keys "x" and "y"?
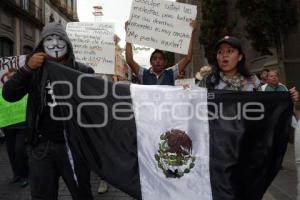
{"x": 55, "y": 47}
{"x": 51, "y": 155}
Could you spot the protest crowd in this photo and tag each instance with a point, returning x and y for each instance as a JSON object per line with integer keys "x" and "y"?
{"x": 42, "y": 146}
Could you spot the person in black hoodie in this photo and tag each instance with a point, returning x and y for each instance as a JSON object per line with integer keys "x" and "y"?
{"x": 50, "y": 155}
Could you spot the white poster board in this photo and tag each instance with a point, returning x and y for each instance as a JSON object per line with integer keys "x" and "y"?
{"x": 161, "y": 24}
{"x": 188, "y": 82}
{"x": 7, "y": 63}
{"x": 93, "y": 44}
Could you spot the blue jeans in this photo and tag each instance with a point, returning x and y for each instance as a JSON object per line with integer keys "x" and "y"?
{"x": 48, "y": 161}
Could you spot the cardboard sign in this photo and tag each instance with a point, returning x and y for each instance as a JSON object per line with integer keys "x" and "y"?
{"x": 93, "y": 44}
{"x": 190, "y": 82}
{"x": 161, "y": 25}
{"x": 7, "y": 63}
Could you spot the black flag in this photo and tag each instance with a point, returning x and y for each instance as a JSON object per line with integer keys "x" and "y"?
{"x": 234, "y": 155}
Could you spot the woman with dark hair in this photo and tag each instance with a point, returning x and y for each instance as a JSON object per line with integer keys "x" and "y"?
{"x": 230, "y": 72}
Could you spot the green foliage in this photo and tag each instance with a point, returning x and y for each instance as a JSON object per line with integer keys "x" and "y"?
{"x": 266, "y": 21}
{"x": 214, "y": 25}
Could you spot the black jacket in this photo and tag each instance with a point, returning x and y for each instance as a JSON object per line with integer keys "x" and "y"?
{"x": 33, "y": 83}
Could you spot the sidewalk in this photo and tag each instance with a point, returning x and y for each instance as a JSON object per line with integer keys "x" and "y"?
{"x": 283, "y": 187}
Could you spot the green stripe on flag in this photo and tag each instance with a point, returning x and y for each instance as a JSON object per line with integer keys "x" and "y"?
{"x": 12, "y": 113}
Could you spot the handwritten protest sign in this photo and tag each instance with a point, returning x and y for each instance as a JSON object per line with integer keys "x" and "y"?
{"x": 12, "y": 113}
{"x": 7, "y": 63}
{"x": 161, "y": 24}
{"x": 94, "y": 45}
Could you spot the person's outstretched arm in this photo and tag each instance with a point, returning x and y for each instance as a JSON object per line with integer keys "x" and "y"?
{"x": 187, "y": 58}
{"x": 294, "y": 94}
{"x": 129, "y": 56}
{"x": 130, "y": 61}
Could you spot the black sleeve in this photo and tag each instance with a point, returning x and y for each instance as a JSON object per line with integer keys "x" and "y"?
{"x": 84, "y": 68}
{"x": 90, "y": 70}
{"x": 18, "y": 86}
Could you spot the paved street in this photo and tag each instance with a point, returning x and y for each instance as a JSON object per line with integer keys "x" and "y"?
{"x": 13, "y": 192}
{"x": 283, "y": 187}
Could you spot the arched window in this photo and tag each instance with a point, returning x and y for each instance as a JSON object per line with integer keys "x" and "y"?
{"x": 27, "y": 49}
{"x": 6, "y": 47}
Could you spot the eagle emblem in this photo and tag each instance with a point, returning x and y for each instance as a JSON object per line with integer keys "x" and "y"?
{"x": 174, "y": 156}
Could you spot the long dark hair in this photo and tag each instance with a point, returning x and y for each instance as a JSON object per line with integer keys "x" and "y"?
{"x": 214, "y": 78}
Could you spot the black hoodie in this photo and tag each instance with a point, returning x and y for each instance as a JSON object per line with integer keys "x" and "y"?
{"x": 33, "y": 83}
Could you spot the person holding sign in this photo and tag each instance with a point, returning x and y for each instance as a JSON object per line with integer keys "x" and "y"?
{"x": 15, "y": 134}
{"x": 158, "y": 74}
{"x": 51, "y": 155}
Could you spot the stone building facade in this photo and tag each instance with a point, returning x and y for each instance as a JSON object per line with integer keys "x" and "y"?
{"x": 22, "y": 20}
{"x": 62, "y": 11}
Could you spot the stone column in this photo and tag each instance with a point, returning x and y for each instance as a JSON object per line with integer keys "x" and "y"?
{"x": 18, "y": 37}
